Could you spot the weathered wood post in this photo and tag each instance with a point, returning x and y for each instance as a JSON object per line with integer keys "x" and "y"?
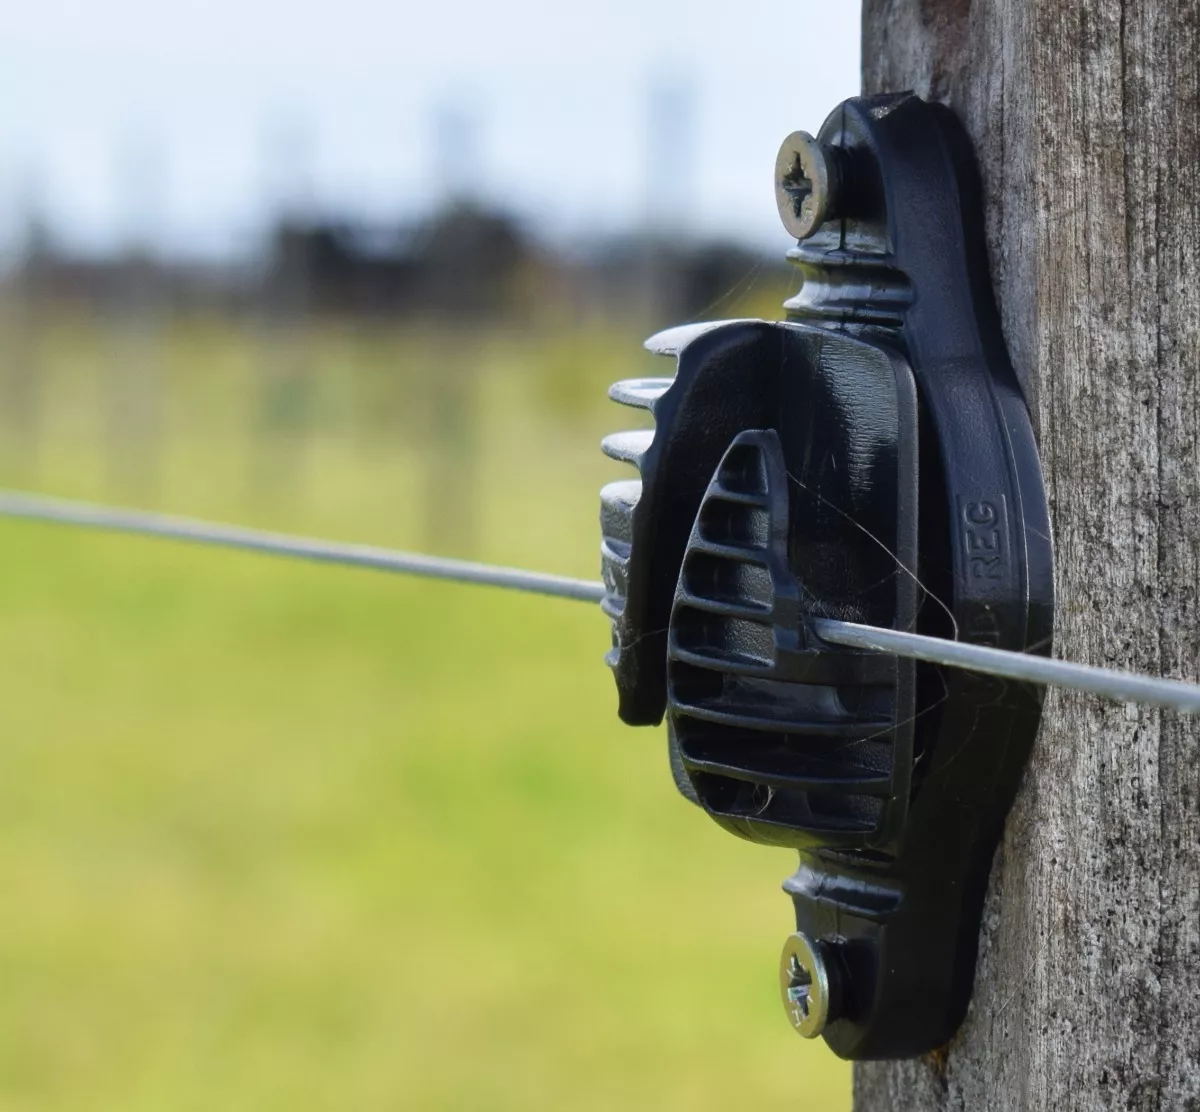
{"x": 1086, "y": 119}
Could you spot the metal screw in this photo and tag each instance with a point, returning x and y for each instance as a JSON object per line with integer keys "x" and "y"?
{"x": 807, "y": 183}
{"x": 804, "y": 985}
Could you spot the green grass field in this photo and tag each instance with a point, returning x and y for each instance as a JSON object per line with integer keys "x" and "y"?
{"x": 275, "y": 836}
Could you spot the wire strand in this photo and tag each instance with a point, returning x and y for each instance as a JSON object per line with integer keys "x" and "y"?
{"x": 60, "y": 511}
{"x": 1121, "y": 686}
{"x": 1124, "y": 687}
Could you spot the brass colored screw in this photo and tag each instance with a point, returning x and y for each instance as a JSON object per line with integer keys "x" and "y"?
{"x": 804, "y": 985}
{"x": 807, "y": 183}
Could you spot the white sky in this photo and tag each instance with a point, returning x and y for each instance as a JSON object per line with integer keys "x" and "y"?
{"x": 558, "y": 92}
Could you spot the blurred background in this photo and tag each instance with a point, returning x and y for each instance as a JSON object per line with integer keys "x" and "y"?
{"x": 275, "y": 836}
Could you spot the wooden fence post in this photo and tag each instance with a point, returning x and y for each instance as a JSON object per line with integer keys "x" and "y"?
{"x": 1086, "y": 119}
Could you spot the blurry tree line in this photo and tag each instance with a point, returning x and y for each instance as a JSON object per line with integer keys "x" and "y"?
{"x": 437, "y": 289}
{"x": 465, "y": 260}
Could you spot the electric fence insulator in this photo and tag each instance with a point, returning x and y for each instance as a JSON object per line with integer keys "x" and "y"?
{"x": 869, "y": 460}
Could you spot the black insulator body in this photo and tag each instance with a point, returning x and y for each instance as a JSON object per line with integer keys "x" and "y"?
{"x": 870, "y": 459}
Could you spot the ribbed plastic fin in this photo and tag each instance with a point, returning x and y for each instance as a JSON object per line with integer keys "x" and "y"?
{"x": 780, "y": 740}
{"x": 640, "y": 393}
{"x": 629, "y": 446}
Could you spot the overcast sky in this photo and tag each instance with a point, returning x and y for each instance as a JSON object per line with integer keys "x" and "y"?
{"x": 183, "y": 119}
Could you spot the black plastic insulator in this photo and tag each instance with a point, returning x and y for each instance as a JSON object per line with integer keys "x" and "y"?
{"x": 872, "y": 459}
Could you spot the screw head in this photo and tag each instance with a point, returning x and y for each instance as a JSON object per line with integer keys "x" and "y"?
{"x": 804, "y": 985}
{"x": 806, "y": 184}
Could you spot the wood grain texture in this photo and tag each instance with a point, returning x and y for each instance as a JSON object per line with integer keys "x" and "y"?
{"x": 1086, "y": 117}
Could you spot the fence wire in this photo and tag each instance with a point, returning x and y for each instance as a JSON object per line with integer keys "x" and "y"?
{"x": 1126, "y": 687}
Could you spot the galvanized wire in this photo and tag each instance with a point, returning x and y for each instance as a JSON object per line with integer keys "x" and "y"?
{"x": 1125, "y": 687}
{"x": 60, "y": 511}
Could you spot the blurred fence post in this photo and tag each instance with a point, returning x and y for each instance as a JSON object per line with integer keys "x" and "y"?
{"x": 22, "y": 368}
{"x": 451, "y": 449}
{"x": 285, "y": 365}
{"x": 285, "y": 386}
{"x": 135, "y": 382}
{"x": 135, "y": 387}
